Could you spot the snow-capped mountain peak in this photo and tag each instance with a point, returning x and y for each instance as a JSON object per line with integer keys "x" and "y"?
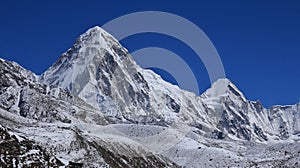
{"x": 96, "y": 36}
{"x": 101, "y": 72}
{"x": 223, "y": 87}
{"x": 95, "y": 107}
{"x": 92, "y": 48}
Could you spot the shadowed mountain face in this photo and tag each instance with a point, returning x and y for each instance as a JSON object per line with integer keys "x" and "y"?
{"x": 69, "y": 111}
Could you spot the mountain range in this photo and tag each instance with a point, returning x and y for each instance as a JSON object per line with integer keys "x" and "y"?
{"x": 95, "y": 107}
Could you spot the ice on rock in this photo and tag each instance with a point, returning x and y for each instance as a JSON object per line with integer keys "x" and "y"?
{"x": 73, "y": 113}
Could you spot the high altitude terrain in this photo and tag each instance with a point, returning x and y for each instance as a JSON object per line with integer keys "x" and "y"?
{"x": 95, "y": 107}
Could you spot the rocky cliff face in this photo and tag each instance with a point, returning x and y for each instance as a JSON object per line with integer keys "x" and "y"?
{"x": 249, "y": 120}
{"x": 96, "y": 107}
{"x": 101, "y": 72}
{"x": 46, "y": 117}
{"x": 18, "y": 151}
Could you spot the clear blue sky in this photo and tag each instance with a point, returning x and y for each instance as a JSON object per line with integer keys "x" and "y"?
{"x": 258, "y": 41}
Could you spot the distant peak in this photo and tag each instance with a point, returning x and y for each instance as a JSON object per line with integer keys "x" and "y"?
{"x": 95, "y": 29}
{"x": 222, "y": 87}
{"x": 222, "y": 81}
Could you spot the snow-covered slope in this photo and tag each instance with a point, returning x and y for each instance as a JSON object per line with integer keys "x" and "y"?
{"x": 49, "y": 119}
{"x": 22, "y": 94}
{"x": 95, "y": 107}
{"x": 249, "y": 120}
{"x": 101, "y": 72}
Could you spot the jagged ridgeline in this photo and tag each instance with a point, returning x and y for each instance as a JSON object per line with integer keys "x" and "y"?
{"x": 95, "y": 107}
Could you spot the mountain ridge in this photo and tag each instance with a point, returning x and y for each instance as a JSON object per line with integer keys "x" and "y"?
{"x": 111, "y": 73}
{"x": 95, "y": 99}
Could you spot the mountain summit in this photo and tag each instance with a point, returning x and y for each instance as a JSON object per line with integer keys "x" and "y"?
{"x": 95, "y": 107}
{"x": 101, "y": 72}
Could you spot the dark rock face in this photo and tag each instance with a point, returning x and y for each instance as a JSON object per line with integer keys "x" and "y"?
{"x": 109, "y": 64}
{"x": 105, "y": 85}
{"x": 139, "y": 98}
{"x": 234, "y": 123}
{"x": 233, "y": 91}
{"x": 217, "y": 135}
{"x": 171, "y": 103}
{"x": 10, "y": 78}
{"x": 40, "y": 107}
{"x": 141, "y": 81}
{"x": 120, "y": 51}
{"x": 23, "y": 153}
{"x": 120, "y": 161}
{"x": 258, "y": 106}
{"x": 259, "y": 132}
{"x": 284, "y": 133}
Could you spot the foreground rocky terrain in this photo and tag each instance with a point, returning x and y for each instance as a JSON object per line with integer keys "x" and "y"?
{"x": 95, "y": 107}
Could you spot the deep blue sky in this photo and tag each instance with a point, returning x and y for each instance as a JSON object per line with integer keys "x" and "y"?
{"x": 258, "y": 41}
